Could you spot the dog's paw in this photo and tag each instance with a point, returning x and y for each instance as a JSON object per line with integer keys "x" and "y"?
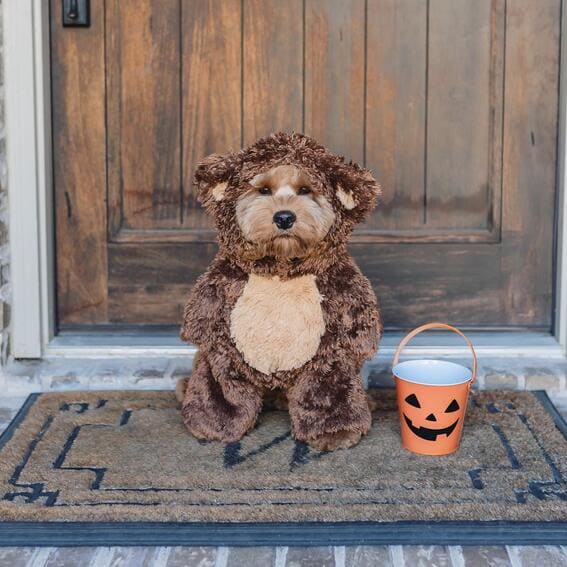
{"x": 338, "y": 440}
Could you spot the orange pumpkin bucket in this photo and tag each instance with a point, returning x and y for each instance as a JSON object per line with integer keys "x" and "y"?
{"x": 432, "y": 398}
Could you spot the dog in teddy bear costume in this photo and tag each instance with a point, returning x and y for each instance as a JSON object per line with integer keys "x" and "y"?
{"x": 282, "y": 307}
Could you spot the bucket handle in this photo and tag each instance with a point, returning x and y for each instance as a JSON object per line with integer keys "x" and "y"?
{"x": 436, "y": 325}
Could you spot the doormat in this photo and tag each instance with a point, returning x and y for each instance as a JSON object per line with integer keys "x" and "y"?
{"x": 119, "y": 468}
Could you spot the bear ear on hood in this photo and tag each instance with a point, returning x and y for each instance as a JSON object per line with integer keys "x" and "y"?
{"x": 356, "y": 189}
{"x": 212, "y": 177}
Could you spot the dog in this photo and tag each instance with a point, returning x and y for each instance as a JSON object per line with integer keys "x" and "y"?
{"x": 283, "y": 311}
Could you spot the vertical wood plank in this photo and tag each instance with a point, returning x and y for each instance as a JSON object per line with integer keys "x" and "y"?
{"x": 79, "y": 156}
{"x": 272, "y": 67}
{"x": 395, "y": 109}
{"x": 458, "y": 114}
{"x": 334, "y": 75}
{"x": 211, "y": 76}
{"x": 530, "y": 135}
{"x": 143, "y": 68}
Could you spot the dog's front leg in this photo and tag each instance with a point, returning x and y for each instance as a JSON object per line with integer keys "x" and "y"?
{"x": 219, "y": 405}
{"x": 329, "y": 408}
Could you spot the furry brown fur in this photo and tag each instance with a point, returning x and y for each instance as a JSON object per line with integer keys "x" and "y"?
{"x": 282, "y": 306}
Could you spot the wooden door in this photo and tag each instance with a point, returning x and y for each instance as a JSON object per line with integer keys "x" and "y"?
{"x": 452, "y": 103}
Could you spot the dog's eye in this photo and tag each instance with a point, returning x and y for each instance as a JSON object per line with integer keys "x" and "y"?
{"x": 265, "y": 191}
{"x": 304, "y": 191}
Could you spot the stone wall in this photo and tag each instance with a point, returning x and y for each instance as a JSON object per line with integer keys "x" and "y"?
{"x": 4, "y": 250}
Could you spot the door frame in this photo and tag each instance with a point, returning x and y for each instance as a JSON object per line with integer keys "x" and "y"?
{"x": 31, "y": 220}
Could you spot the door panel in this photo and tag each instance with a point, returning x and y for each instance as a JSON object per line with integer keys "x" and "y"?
{"x": 79, "y": 169}
{"x": 143, "y": 97}
{"x": 464, "y": 86}
{"x": 452, "y": 103}
{"x": 334, "y": 75}
{"x": 211, "y": 70}
{"x": 272, "y": 64}
{"x": 396, "y": 110}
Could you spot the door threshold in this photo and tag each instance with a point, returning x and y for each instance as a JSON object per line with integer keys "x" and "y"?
{"x": 487, "y": 343}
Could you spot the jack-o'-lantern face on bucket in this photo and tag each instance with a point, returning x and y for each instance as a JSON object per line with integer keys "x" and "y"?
{"x": 431, "y": 417}
{"x": 429, "y": 422}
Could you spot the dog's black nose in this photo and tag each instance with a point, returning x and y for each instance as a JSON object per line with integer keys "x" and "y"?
{"x": 284, "y": 219}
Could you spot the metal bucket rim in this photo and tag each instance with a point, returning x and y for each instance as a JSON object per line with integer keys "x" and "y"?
{"x": 400, "y": 371}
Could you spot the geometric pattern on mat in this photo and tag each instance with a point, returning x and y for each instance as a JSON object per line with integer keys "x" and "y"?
{"x": 100, "y": 456}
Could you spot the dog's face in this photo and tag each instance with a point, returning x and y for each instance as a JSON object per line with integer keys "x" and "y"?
{"x": 285, "y": 197}
{"x": 283, "y": 214}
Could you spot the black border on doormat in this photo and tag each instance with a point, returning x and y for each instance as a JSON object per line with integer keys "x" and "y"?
{"x": 74, "y": 534}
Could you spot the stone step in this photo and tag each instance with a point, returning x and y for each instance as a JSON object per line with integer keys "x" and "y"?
{"x": 23, "y": 377}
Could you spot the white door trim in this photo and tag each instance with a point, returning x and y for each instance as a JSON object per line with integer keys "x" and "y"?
{"x": 28, "y": 135}
{"x": 28, "y": 120}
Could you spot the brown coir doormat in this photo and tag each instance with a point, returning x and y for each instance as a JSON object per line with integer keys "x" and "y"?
{"x": 119, "y": 468}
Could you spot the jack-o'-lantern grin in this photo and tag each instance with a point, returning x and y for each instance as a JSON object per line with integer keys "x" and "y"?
{"x": 430, "y": 434}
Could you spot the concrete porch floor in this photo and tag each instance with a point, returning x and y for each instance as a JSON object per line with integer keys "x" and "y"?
{"x": 21, "y": 378}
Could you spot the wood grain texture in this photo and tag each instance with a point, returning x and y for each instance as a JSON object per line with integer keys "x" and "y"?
{"x": 150, "y": 283}
{"x": 143, "y": 70}
{"x": 458, "y": 113}
{"x": 362, "y": 234}
{"x": 395, "y": 110}
{"x": 272, "y": 67}
{"x": 530, "y": 135}
{"x": 455, "y": 110}
{"x": 212, "y": 98}
{"x": 79, "y": 168}
{"x": 454, "y": 292}
{"x": 334, "y": 75}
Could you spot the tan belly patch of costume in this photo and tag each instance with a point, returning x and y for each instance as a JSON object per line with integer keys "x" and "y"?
{"x": 278, "y": 325}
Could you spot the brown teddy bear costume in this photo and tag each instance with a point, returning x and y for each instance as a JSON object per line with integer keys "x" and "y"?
{"x": 282, "y": 306}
